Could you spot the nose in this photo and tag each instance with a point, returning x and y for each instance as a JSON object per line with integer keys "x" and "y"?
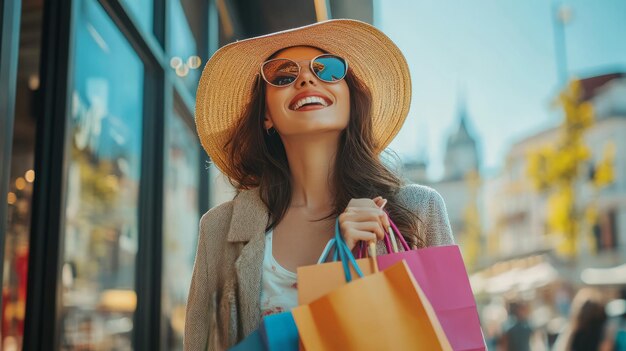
{"x": 305, "y": 77}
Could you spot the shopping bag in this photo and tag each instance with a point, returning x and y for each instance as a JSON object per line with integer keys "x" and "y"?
{"x": 441, "y": 274}
{"x": 318, "y": 280}
{"x": 277, "y": 333}
{"x": 253, "y": 342}
{"x": 386, "y": 310}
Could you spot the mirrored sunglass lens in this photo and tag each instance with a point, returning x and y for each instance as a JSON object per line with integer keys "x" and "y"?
{"x": 329, "y": 68}
{"x": 280, "y": 72}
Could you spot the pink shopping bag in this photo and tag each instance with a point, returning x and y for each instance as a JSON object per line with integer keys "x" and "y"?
{"x": 441, "y": 273}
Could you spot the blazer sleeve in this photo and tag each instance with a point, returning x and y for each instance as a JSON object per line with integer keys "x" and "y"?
{"x": 437, "y": 223}
{"x": 427, "y": 203}
{"x": 199, "y": 308}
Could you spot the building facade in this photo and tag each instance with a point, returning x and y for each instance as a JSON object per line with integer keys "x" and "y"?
{"x": 458, "y": 185}
{"x": 517, "y": 214}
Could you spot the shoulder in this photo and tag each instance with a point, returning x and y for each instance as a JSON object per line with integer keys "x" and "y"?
{"x": 421, "y": 198}
{"x": 237, "y": 219}
{"x": 217, "y": 216}
{"x": 431, "y": 210}
{"x": 214, "y": 226}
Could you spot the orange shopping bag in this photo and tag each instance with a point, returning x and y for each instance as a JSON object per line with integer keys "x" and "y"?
{"x": 383, "y": 311}
{"x": 318, "y": 280}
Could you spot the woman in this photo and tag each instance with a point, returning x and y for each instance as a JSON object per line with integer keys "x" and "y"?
{"x": 297, "y": 121}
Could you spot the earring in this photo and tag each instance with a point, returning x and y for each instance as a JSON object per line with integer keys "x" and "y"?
{"x": 270, "y": 131}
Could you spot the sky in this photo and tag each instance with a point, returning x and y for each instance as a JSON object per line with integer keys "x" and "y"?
{"x": 498, "y": 56}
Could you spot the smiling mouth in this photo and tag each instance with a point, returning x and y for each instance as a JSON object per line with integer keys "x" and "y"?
{"x": 310, "y": 107}
{"x": 310, "y": 103}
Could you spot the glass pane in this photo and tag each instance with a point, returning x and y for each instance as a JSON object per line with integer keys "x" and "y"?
{"x": 21, "y": 178}
{"x": 184, "y": 39}
{"x": 180, "y": 226}
{"x": 100, "y": 227}
{"x": 142, "y": 11}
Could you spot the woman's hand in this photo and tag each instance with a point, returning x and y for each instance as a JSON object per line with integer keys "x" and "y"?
{"x": 364, "y": 220}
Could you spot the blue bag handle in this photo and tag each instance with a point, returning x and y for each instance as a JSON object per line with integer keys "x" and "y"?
{"x": 332, "y": 243}
{"x": 341, "y": 252}
{"x": 326, "y": 252}
{"x": 346, "y": 255}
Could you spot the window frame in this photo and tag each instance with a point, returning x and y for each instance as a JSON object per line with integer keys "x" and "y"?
{"x": 161, "y": 86}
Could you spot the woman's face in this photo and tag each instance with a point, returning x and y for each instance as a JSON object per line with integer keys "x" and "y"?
{"x": 281, "y": 113}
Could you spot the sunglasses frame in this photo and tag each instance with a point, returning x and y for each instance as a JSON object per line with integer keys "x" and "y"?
{"x": 300, "y": 70}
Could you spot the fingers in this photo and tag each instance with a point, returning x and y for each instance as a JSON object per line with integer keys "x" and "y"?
{"x": 362, "y": 203}
{"x": 352, "y": 236}
{"x": 364, "y": 220}
{"x": 380, "y": 202}
{"x": 375, "y": 229}
{"x": 363, "y": 211}
{"x": 365, "y": 214}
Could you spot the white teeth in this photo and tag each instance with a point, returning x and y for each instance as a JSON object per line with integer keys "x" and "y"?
{"x": 309, "y": 100}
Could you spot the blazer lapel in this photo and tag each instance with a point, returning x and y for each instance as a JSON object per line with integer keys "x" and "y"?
{"x": 248, "y": 222}
{"x": 249, "y": 271}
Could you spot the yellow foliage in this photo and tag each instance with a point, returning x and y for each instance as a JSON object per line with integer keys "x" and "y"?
{"x": 591, "y": 216}
{"x": 556, "y": 168}
{"x": 471, "y": 238}
{"x": 560, "y": 205}
{"x": 567, "y": 247}
{"x": 605, "y": 173}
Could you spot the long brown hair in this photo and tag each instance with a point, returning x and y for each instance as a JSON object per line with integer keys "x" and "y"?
{"x": 259, "y": 160}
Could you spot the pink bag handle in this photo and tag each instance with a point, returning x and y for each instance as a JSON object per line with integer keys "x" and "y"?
{"x": 362, "y": 249}
{"x": 398, "y": 234}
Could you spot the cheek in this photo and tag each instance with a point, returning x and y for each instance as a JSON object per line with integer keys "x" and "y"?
{"x": 343, "y": 98}
{"x": 273, "y": 101}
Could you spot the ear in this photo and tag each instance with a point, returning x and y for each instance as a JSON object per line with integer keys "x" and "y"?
{"x": 267, "y": 122}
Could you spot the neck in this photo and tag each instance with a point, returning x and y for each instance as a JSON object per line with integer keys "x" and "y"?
{"x": 311, "y": 163}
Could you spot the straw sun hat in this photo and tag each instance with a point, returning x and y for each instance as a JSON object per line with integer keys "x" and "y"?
{"x": 229, "y": 77}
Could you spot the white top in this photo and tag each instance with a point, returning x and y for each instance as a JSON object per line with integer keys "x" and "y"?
{"x": 279, "y": 288}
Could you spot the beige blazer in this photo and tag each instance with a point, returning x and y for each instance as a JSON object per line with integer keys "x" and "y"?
{"x": 224, "y": 298}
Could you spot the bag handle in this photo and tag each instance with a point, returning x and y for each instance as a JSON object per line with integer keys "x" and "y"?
{"x": 326, "y": 252}
{"x": 390, "y": 243}
{"x": 395, "y": 232}
{"x": 347, "y": 258}
{"x": 345, "y": 255}
{"x": 329, "y": 246}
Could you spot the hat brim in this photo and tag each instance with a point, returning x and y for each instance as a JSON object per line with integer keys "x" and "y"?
{"x": 228, "y": 78}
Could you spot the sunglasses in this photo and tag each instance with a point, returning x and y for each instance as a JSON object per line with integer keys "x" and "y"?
{"x": 282, "y": 72}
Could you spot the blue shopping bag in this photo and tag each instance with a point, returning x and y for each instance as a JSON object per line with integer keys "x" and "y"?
{"x": 277, "y": 332}
{"x": 253, "y": 342}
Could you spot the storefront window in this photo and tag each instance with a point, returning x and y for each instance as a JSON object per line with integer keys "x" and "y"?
{"x": 143, "y": 11}
{"x": 100, "y": 225}
{"x": 185, "y": 31}
{"x": 21, "y": 180}
{"x": 180, "y": 226}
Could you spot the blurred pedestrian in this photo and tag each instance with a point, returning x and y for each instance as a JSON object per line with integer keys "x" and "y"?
{"x": 585, "y": 330}
{"x": 616, "y": 325}
{"x": 517, "y": 330}
{"x": 620, "y": 334}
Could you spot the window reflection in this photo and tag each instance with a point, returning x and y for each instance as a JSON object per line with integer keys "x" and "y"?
{"x": 143, "y": 12}
{"x": 180, "y": 225}
{"x": 184, "y": 39}
{"x": 21, "y": 178}
{"x": 100, "y": 228}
